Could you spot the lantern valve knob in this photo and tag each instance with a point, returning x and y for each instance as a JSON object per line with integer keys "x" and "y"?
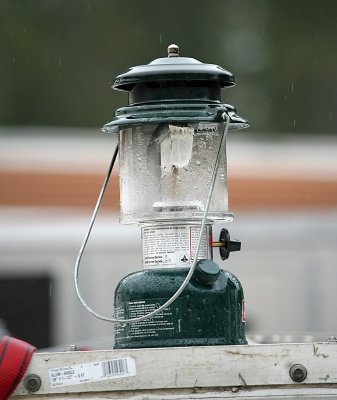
{"x": 226, "y": 244}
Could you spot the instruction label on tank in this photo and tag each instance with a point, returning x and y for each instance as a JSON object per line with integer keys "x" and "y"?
{"x": 163, "y": 325}
{"x": 92, "y": 372}
{"x": 174, "y": 246}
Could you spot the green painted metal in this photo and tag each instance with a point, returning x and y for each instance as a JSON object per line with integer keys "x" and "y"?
{"x": 174, "y": 112}
{"x": 168, "y": 69}
{"x": 174, "y": 89}
{"x": 210, "y": 311}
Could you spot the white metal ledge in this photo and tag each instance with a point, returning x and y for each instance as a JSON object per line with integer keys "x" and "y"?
{"x": 216, "y": 372}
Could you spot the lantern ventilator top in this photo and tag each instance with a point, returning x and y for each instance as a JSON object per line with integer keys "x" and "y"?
{"x": 174, "y": 89}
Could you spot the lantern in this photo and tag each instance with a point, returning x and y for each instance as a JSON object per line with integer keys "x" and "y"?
{"x": 172, "y": 151}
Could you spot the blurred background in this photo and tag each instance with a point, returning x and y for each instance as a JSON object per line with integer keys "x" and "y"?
{"x": 57, "y": 62}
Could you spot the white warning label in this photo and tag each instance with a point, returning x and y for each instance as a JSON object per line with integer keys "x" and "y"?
{"x": 92, "y": 372}
{"x": 173, "y": 246}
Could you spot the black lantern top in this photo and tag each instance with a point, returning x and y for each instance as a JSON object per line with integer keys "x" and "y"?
{"x": 174, "y": 71}
{"x": 174, "y": 88}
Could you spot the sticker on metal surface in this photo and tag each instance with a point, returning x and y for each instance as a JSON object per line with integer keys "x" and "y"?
{"x": 173, "y": 246}
{"x": 92, "y": 372}
{"x": 164, "y": 325}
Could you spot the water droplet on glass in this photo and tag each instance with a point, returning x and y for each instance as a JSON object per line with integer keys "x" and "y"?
{"x": 294, "y": 122}
{"x": 195, "y": 187}
{"x": 139, "y": 159}
{"x": 198, "y": 162}
{"x": 222, "y": 176}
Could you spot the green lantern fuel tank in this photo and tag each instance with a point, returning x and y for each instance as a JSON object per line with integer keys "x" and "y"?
{"x": 210, "y": 311}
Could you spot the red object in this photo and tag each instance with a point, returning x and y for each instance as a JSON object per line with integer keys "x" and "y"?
{"x": 15, "y": 356}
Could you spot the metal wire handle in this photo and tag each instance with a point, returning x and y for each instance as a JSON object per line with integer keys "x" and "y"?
{"x": 190, "y": 272}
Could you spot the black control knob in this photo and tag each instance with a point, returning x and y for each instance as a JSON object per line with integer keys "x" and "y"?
{"x": 229, "y": 244}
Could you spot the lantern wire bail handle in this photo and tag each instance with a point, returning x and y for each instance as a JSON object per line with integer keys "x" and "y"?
{"x": 226, "y": 119}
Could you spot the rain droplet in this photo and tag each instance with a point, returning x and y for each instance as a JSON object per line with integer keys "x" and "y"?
{"x": 195, "y": 187}
{"x": 139, "y": 159}
{"x": 292, "y": 88}
{"x": 294, "y": 122}
{"x": 222, "y": 176}
{"x": 198, "y": 162}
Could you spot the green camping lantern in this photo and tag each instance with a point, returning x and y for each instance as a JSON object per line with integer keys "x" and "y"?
{"x": 171, "y": 143}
